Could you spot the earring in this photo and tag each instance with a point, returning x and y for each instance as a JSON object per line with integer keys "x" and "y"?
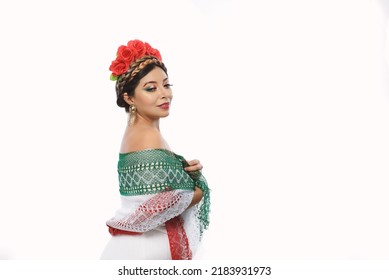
{"x": 132, "y": 115}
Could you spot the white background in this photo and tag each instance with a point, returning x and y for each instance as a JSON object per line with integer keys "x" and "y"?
{"x": 286, "y": 104}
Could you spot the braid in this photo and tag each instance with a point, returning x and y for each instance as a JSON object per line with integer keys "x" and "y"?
{"x": 134, "y": 69}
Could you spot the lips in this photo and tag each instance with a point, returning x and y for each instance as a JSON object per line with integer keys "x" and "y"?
{"x": 165, "y": 105}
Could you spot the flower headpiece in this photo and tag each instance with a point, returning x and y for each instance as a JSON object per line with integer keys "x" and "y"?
{"x": 126, "y": 55}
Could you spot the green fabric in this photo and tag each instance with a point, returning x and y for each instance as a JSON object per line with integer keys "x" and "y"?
{"x": 156, "y": 170}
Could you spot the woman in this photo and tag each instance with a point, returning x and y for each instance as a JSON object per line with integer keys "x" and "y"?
{"x": 165, "y": 199}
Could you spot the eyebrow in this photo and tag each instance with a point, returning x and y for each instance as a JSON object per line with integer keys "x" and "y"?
{"x": 154, "y": 82}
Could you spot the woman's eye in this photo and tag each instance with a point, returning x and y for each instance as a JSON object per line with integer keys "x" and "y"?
{"x": 168, "y": 85}
{"x": 150, "y": 89}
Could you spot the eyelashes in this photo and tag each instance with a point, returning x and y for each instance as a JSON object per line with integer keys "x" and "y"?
{"x": 152, "y": 89}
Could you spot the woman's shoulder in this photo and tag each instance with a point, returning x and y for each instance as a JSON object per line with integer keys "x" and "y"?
{"x": 142, "y": 138}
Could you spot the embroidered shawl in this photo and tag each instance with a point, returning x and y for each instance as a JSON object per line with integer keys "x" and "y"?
{"x": 164, "y": 190}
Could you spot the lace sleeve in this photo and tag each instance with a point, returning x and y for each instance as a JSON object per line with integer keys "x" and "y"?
{"x": 154, "y": 211}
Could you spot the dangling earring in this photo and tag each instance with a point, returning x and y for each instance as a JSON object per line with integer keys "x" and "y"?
{"x": 131, "y": 115}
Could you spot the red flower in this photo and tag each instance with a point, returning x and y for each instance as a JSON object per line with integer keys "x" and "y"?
{"x": 119, "y": 66}
{"x": 151, "y": 51}
{"x": 128, "y": 54}
{"x": 156, "y": 53}
{"x": 138, "y": 47}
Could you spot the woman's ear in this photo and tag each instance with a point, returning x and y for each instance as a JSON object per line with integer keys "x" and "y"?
{"x": 128, "y": 99}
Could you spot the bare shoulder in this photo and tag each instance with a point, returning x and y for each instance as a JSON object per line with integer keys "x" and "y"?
{"x": 136, "y": 139}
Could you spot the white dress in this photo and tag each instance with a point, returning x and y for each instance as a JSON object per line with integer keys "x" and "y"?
{"x": 152, "y": 244}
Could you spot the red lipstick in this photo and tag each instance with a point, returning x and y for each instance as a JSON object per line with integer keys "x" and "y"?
{"x": 164, "y": 106}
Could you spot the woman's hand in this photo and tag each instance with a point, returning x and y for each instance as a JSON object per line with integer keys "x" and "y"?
{"x": 194, "y": 165}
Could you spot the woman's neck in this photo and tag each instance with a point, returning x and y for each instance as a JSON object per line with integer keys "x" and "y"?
{"x": 143, "y": 122}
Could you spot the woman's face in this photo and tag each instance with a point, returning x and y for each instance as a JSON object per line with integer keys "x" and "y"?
{"x": 153, "y": 95}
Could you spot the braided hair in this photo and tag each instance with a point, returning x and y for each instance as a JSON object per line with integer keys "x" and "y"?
{"x": 128, "y": 81}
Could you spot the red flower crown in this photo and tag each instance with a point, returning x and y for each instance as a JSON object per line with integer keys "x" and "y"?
{"x": 128, "y": 54}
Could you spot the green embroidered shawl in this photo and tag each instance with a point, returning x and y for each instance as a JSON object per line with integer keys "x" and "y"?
{"x": 157, "y": 170}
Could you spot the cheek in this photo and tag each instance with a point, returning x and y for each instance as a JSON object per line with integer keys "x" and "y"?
{"x": 147, "y": 101}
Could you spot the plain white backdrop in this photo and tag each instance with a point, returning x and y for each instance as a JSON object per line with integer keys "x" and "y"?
{"x": 286, "y": 104}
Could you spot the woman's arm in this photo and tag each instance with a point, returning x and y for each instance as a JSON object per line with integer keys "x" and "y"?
{"x": 195, "y": 165}
{"x": 197, "y": 196}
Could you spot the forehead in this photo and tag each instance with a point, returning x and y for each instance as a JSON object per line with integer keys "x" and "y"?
{"x": 156, "y": 75}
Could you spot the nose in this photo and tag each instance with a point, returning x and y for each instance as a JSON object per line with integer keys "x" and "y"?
{"x": 166, "y": 93}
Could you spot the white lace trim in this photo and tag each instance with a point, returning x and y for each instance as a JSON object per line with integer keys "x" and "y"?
{"x": 151, "y": 211}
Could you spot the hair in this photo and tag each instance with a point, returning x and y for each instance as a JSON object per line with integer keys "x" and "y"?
{"x": 128, "y": 81}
